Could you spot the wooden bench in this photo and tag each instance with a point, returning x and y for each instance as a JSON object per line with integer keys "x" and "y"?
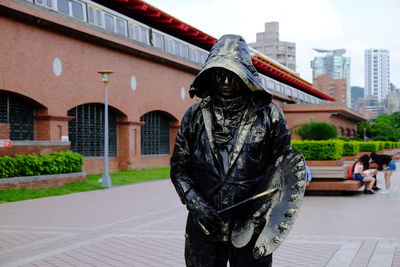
{"x": 332, "y": 178}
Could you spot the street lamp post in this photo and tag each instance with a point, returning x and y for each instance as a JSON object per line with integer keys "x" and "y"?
{"x": 105, "y": 75}
{"x": 365, "y": 135}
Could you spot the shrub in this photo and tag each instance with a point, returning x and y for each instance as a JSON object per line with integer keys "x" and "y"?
{"x": 350, "y": 148}
{"x": 371, "y": 146}
{"x": 29, "y": 165}
{"x": 384, "y": 138}
{"x": 344, "y": 138}
{"x": 316, "y": 131}
{"x": 319, "y": 150}
{"x": 388, "y": 145}
{"x": 8, "y": 167}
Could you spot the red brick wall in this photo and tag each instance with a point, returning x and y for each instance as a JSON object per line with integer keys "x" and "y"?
{"x": 31, "y": 149}
{"x": 153, "y": 162}
{"x": 4, "y": 131}
{"x": 43, "y": 183}
{"x": 83, "y": 51}
{"x": 297, "y": 115}
{"x": 160, "y": 79}
{"x": 96, "y": 165}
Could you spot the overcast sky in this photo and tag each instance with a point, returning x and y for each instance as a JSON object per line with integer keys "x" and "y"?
{"x": 354, "y": 25}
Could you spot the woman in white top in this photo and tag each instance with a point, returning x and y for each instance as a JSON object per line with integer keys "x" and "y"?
{"x": 364, "y": 174}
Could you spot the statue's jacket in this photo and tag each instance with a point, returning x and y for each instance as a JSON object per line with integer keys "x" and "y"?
{"x": 261, "y": 157}
{"x": 262, "y": 137}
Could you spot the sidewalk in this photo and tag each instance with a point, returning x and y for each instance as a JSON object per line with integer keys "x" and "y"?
{"x": 143, "y": 225}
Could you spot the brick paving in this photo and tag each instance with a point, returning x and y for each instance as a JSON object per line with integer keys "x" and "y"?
{"x": 143, "y": 225}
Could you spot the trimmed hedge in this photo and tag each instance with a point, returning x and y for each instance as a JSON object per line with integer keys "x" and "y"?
{"x": 351, "y": 148}
{"x": 372, "y": 146}
{"x": 381, "y": 145}
{"x": 334, "y": 149}
{"x": 319, "y": 150}
{"x": 389, "y": 144}
{"x": 33, "y": 164}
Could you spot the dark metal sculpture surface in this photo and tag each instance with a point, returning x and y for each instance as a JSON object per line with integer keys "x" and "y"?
{"x": 234, "y": 147}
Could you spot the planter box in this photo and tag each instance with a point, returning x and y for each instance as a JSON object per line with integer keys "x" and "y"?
{"x": 350, "y": 158}
{"x": 42, "y": 181}
{"x": 324, "y": 162}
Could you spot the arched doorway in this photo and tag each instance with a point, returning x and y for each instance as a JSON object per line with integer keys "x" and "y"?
{"x": 86, "y": 130}
{"x": 18, "y": 112}
{"x": 155, "y": 133}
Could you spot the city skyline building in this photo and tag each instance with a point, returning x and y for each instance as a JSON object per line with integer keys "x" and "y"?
{"x": 357, "y": 97}
{"x": 335, "y": 65}
{"x": 393, "y": 102}
{"x": 268, "y": 43}
{"x": 333, "y": 87}
{"x": 372, "y": 104}
{"x": 377, "y": 73}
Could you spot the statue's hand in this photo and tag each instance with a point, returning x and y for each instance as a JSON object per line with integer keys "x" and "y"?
{"x": 259, "y": 219}
{"x": 208, "y": 219}
{"x": 205, "y": 215}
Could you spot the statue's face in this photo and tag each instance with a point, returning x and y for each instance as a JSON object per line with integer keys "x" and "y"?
{"x": 226, "y": 83}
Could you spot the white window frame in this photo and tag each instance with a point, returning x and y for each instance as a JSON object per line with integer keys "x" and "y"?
{"x": 135, "y": 35}
{"x": 104, "y": 16}
{"x": 83, "y": 6}
{"x": 96, "y": 12}
{"x": 116, "y": 20}
{"x": 45, "y": 3}
{"x": 159, "y": 37}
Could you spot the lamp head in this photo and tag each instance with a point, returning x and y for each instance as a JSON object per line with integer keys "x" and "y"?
{"x": 105, "y": 76}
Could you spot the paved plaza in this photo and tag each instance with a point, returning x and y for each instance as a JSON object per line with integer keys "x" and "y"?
{"x": 143, "y": 225}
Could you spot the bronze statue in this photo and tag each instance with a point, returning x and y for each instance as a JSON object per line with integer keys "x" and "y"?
{"x": 233, "y": 166}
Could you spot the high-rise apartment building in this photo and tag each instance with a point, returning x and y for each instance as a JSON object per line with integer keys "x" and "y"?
{"x": 335, "y": 65}
{"x": 268, "y": 43}
{"x": 377, "y": 73}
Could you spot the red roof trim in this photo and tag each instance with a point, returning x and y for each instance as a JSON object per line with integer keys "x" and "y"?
{"x": 165, "y": 20}
{"x": 154, "y": 14}
{"x": 136, "y": 6}
{"x": 161, "y": 20}
{"x": 291, "y": 80}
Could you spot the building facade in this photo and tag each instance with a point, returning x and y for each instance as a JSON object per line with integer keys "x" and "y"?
{"x": 268, "y": 43}
{"x": 51, "y": 95}
{"x": 393, "y": 104}
{"x": 342, "y": 118}
{"x": 377, "y": 74}
{"x": 335, "y": 65}
{"x": 333, "y": 87}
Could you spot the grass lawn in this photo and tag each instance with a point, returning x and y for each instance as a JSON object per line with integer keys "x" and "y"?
{"x": 117, "y": 178}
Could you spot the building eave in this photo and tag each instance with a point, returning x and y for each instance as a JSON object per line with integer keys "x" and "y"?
{"x": 158, "y": 19}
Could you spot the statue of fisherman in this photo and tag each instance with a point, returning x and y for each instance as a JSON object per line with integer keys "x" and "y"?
{"x": 233, "y": 166}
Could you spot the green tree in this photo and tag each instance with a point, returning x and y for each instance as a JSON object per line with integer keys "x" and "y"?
{"x": 384, "y": 127}
{"x": 316, "y": 131}
{"x": 364, "y": 125}
{"x": 396, "y": 117}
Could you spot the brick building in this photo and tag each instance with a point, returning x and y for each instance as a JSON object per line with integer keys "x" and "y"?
{"x": 51, "y": 96}
{"x": 336, "y": 88}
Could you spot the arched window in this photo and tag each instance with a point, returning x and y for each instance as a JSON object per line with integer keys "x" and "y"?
{"x": 155, "y": 134}
{"x": 86, "y": 130}
{"x": 18, "y": 113}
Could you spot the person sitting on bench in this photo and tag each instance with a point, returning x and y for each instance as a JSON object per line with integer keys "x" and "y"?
{"x": 364, "y": 174}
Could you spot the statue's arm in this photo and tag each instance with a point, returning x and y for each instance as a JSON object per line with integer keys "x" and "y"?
{"x": 180, "y": 160}
{"x": 204, "y": 214}
{"x": 280, "y": 132}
